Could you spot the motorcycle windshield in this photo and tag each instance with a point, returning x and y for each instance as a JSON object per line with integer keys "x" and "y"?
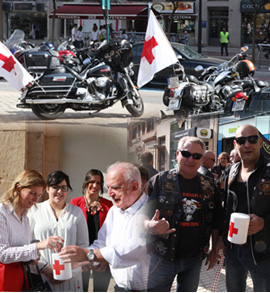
{"x": 14, "y": 41}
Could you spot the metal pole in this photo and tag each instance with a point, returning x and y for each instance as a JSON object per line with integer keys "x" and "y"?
{"x": 200, "y": 28}
{"x": 107, "y": 23}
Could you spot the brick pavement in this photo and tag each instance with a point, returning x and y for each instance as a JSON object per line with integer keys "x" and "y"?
{"x": 206, "y": 279}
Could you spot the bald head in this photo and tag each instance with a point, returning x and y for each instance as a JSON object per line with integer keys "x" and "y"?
{"x": 234, "y": 157}
{"x": 246, "y": 130}
{"x": 208, "y": 159}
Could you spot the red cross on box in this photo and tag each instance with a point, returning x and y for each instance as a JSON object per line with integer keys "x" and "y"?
{"x": 58, "y": 268}
{"x": 232, "y": 230}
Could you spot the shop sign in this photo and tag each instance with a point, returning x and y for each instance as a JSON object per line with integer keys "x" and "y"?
{"x": 247, "y": 7}
{"x": 22, "y": 6}
{"x": 167, "y": 7}
{"x": 204, "y": 133}
{"x": 149, "y": 144}
{"x": 230, "y": 129}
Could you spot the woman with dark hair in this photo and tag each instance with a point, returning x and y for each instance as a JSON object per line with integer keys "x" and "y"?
{"x": 95, "y": 209}
{"x": 15, "y": 233}
{"x": 57, "y": 217}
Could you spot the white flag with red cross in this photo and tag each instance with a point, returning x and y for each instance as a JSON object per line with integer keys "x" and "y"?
{"x": 12, "y": 70}
{"x": 157, "y": 52}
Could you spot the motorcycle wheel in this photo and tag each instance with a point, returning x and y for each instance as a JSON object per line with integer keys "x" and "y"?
{"x": 166, "y": 97}
{"x": 48, "y": 111}
{"x": 137, "y": 108}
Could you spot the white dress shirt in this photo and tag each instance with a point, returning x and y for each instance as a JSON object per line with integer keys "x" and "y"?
{"x": 71, "y": 226}
{"x": 15, "y": 237}
{"x": 122, "y": 243}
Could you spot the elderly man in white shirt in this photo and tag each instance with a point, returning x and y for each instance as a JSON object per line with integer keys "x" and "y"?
{"x": 121, "y": 240}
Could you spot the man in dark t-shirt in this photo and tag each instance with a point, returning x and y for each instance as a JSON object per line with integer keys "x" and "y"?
{"x": 186, "y": 206}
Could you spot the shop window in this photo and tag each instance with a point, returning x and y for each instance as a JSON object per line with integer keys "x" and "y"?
{"x": 262, "y": 32}
{"x": 161, "y": 153}
{"x": 149, "y": 125}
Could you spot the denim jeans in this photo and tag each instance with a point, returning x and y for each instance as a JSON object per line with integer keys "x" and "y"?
{"x": 238, "y": 262}
{"x": 162, "y": 273}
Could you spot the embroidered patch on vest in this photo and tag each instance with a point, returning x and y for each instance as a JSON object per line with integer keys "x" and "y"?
{"x": 264, "y": 186}
{"x": 168, "y": 186}
{"x": 162, "y": 198}
{"x": 160, "y": 247}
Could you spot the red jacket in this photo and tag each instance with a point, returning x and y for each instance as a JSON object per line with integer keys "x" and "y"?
{"x": 106, "y": 205}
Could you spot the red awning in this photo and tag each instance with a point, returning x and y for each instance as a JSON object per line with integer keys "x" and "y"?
{"x": 92, "y": 11}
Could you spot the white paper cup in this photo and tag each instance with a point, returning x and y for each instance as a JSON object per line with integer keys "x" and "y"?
{"x": 238, "y": 228}
{"x": 61, "y": 271}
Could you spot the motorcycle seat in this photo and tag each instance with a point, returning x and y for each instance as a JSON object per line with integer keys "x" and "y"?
{"x": 262, "y": 83}
{"x": 81, "y": 76}
{"x": 59, "y": 70}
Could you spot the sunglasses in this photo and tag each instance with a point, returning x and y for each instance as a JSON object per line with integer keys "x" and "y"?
{"x": 195, "y": 156}
{"x": 251, "y": 139}
{"x": 212, "y": 159}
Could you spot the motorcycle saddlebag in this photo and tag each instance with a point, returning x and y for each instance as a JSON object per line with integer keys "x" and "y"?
{"x": 54, "y": 84}
{"x": 41, "y": 60}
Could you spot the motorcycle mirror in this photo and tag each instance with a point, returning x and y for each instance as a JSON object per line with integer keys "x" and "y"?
{"x": 198, "y": 68}
{"x": 244, "y": 49}
{"x": 180, "y": 57}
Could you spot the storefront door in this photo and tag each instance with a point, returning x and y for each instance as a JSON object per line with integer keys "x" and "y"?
{"x": 218, "y": 20}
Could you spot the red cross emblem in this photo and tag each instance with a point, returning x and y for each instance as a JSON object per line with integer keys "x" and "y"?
{"x": 232, "y": 230}
{"x": 58, "y": 268}
{"x": 9, "y": 62}
{"x": 147, "y": 50}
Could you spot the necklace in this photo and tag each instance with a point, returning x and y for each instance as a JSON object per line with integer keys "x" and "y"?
{"x": 94, "y": 208}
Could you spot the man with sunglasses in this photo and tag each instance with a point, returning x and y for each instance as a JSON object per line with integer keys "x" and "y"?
{"x": 190, "y": 204}
{"x": 248, "y": 191}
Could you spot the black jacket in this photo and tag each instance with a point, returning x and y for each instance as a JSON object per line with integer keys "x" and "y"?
{"x": 165, "y": 195}
{"x": 258, "y": 201}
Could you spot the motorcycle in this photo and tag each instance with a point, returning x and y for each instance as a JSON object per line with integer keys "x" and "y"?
{"x": 234, "y": 83}
{"x": 99, "y": 86}
{"x": 223, "y": 71}
{"x": 186, "y": 95}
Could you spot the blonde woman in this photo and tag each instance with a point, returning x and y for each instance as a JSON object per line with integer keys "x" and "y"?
{"x": 15, "y": 233}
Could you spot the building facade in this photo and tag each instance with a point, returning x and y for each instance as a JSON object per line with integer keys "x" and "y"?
{"x": 160, "y": 136}
{"x": 236, "y": 16}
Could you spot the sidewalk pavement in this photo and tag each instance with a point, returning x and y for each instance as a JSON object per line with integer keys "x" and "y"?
{"x": 214, "y": 51}
{"x": 206, "y": 280}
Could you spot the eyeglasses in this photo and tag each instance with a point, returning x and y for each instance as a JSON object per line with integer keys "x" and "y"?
{"x": 195, "y": 156}
{"x": 57, "y": 188}
{"x": 251, "y": 139}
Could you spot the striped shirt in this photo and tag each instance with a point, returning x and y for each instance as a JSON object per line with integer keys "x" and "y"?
{"x": 15, "y": 237}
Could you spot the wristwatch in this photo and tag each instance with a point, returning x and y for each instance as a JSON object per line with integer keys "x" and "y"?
{"x": 91, "y": 256}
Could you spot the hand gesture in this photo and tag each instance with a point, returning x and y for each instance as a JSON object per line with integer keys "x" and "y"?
{"x": 158, "y": 226}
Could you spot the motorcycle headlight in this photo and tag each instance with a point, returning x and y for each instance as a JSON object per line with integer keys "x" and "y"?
{"x": 101, "y": 81}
